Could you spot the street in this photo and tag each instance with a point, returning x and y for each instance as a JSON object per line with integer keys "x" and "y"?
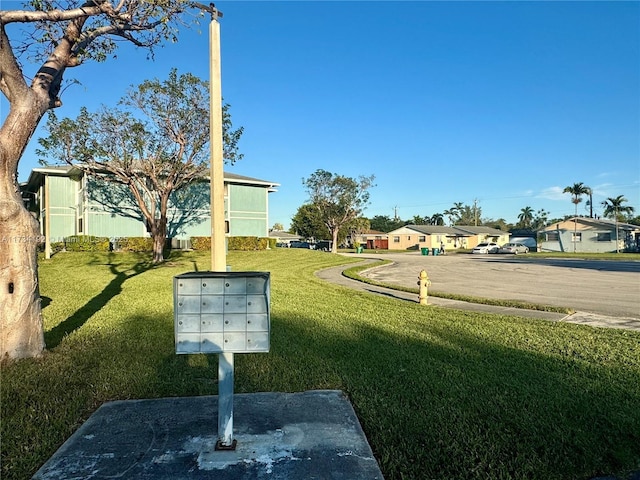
{"x": 598, "y": 286}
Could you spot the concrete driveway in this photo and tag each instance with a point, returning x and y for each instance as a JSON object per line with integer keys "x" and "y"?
{"x": 602, "y": 287}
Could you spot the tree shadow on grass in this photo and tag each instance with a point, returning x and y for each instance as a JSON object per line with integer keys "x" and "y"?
{"x": 54, "y": 336}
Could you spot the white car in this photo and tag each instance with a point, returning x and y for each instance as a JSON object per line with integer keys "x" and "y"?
{"x": 514, "y": 248}
{"x": 486, "y": 247}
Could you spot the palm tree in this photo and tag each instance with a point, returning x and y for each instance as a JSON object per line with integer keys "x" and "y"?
{"x": 576, "y": 190}
{"x": 437, "y": 219}
{"x": 526, "y": 217}
{"x": 612, "y": 208}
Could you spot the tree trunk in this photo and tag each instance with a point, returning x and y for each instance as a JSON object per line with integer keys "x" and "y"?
{"x": 159, "y": 234}
{"x": 334, "y": 242}
{"x": 20, "y": 314}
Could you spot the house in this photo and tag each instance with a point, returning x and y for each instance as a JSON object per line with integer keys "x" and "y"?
{"x": 372, "y": 239}
{"x": 592, "y": 235}
{"x": 415, "y": 237}
{"x": 74, "y": 203}
{"x": 284, "y": 239}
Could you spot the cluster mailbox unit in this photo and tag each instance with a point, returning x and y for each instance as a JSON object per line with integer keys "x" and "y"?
{"x": 216, "y": 312}
{"x": 223, "y": 313}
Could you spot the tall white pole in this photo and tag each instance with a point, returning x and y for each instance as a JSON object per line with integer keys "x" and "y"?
{"x": 218, "y": 250}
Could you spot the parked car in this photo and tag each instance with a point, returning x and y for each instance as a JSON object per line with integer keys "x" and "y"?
{"x": 302, "y": 245}
{"x": 514, "y": 248}
{"x": 486, "y": 247}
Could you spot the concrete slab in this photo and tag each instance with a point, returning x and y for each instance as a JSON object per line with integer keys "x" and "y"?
{"x": 309, "y": 435}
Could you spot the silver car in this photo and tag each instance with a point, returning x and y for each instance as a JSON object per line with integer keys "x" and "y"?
{"x": 514, "y": 248}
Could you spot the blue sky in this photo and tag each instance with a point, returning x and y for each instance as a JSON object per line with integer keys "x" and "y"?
{"x": 503, "y": 103}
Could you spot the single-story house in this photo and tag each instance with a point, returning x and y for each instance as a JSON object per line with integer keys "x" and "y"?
{"x": 590, "y": 235}
{"x": 284, "y": 238}
{"x": 414, "y": 237}
{"x": 74, "y": 203}
{"x": 372, "y": 239}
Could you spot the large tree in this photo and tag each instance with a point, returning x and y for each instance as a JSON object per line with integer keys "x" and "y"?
{"x": 339, "y": 199}
{"x": 308, "y": 224}
{"x": 155, "y": 147}
{"x": 58, "y": 35}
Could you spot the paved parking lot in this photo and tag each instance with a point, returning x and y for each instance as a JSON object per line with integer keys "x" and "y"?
{"x": 602, "y": 287}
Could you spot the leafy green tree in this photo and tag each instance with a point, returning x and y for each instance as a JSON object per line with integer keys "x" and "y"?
{"x": 339, "y": 199}
{"x": 308, "y": 223}
{"x": 539, "y": 219}
{"x": 55, "y": 36}
{"x": 384, "y": 223}
{"x": 278, "y": 227}
{"x": 469, "y": 215}
{"x": 155, "y": 147}
{"x": 576, "y": 190}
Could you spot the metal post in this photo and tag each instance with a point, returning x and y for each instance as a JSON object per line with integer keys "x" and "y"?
{"x": 225, "y": 402}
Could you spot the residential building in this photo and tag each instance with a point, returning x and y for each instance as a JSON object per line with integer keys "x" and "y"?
{"x": 590, "y": 235}
{"x": 372, "y": 239}
{"x": 415, "y": 237}
{"x": 74, "y": 203}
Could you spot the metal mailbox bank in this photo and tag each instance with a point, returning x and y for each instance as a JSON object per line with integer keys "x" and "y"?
{"x": 223, "y": 313}
{"x": 216, "y": 312}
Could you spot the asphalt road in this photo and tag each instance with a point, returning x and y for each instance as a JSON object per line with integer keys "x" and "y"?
{"x": 599, "y": 286}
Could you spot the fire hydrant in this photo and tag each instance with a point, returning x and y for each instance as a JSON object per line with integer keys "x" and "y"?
{"x": 423, "y": 283}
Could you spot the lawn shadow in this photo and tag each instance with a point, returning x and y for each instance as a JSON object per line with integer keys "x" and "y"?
{"x": 54, "y": 336}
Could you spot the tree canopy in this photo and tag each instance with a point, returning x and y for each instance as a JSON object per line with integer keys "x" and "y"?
{"x": 156, "y": 145}
{"x": 338, "y": 198}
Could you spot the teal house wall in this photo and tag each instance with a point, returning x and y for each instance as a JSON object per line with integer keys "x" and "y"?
{"x": 76, "y": 204}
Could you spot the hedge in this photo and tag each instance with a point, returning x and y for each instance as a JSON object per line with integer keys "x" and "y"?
{"x": 84, "y": 243}
{"x": 236, "y": 243}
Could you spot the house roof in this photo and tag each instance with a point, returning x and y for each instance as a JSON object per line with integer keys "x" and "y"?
{"x": 35, "y": 178}
{"x": 594, "y": 223}
{"x": 458, "y": 230}
{"x": 283, "y": 235}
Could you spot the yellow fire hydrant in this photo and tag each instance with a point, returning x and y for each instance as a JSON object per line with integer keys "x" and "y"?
{"x": 423, "y": 283}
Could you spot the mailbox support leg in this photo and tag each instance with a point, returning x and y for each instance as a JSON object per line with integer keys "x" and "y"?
{"x": 225, "y": 402}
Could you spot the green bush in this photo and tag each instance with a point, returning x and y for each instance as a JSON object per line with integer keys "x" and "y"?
{"x": 201, "y": 243}
{"x": 86, "y": 243}
{"x": 135, "y": 244}
{"x": 248, "y": 243}
{"x": 236, "y": 243}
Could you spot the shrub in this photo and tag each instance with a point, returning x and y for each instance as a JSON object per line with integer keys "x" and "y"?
{"x": 201, "y": 243}
{"x": 134, "y": 244}
{"x": 86, "y": 243}
{"x": 236, "y": 243}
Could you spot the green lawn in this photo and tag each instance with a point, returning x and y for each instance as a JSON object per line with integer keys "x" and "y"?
{"x": 440, "y": 393}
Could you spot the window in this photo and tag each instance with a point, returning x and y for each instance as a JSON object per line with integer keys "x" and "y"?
{"x": 80, "y": 225}
{"x": 576, "y": 236}
{"x": 422, "y": 238}
{"x": 409, "y": 237}
{"x": 552, "y": 236}
{"x": 604, "y": 237}
{"x": 396, "y": 239}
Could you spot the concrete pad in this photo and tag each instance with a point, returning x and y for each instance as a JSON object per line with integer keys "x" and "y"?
{"x": 309, "y": 435}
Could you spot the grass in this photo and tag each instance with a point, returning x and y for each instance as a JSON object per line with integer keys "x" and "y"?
{"x": 441, "y": 394}
{"x": 354, "y": 273}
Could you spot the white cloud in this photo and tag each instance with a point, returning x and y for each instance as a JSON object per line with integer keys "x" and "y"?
{"x": 552, "y": 193}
